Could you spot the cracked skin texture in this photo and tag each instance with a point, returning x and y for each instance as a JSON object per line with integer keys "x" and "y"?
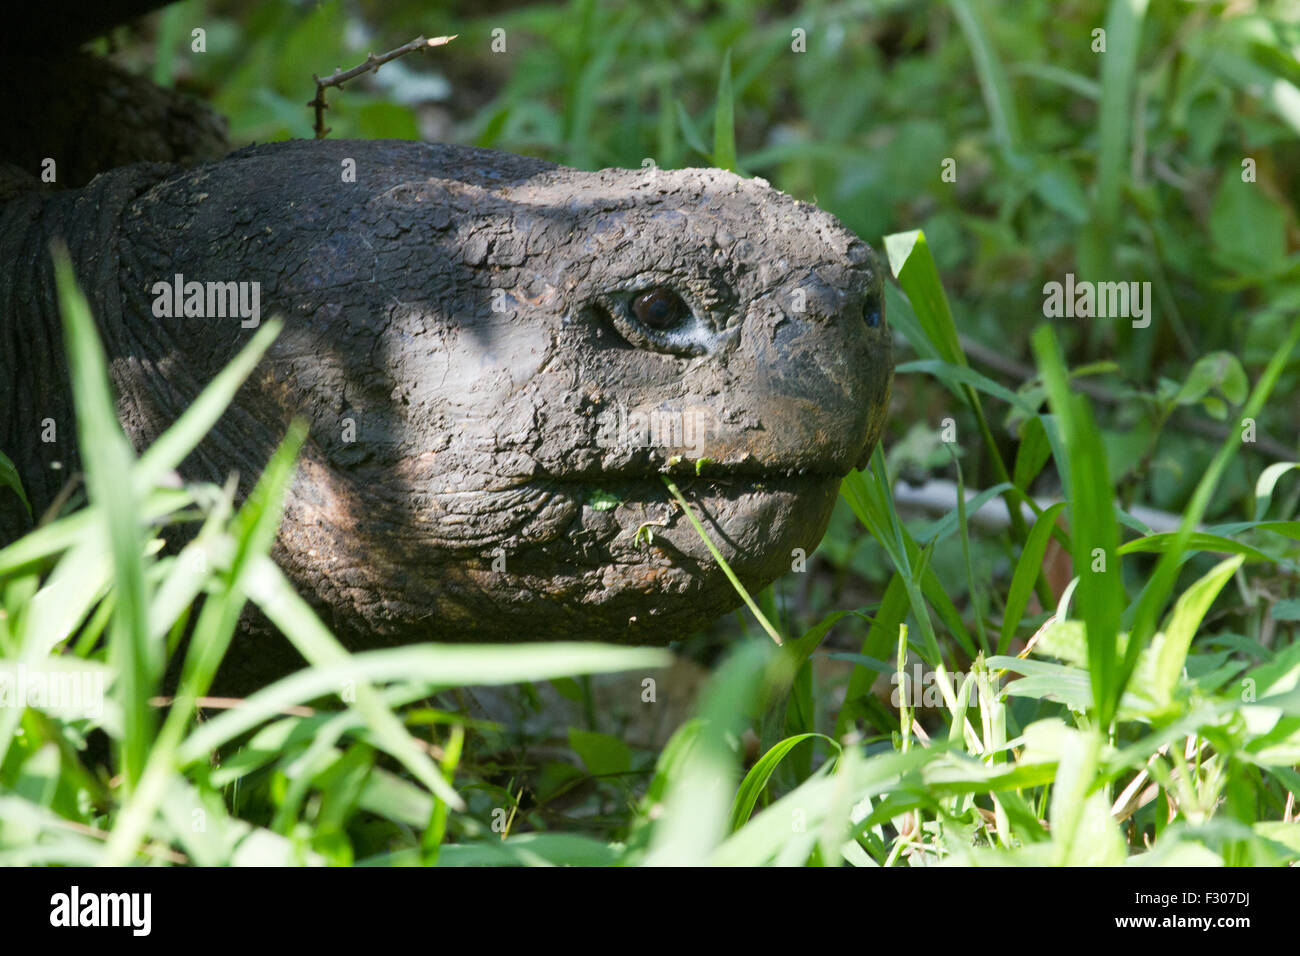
{"x": 461, "y": 337}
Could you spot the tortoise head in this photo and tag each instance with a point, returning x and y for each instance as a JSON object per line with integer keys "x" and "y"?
{"x": 500, "y": 360}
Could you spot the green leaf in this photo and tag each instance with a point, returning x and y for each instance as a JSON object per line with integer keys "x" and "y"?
{"x": 1118, "y": 71}
{"x": 1058, "y": 186}
{"x": 9, "y": 479}
{"x": 1197, "y": 541}
{"x": 1032, "y": 454}
{"x": 876, "y": 645}
{"x": 756, "y": 780}
{"x": 1094, "y": 532}
{"x": 602, "y": 500}
{"x": 914, "y": 267}
{"x": 903, "y": 318}
{"x": 1247, "y": 228}
{"x": 1165, "y": 575}
{"x": 1189, "y": 610}
{"x": 1027, "y": 570}
{"x": 1045, "y": 681}
{"x": 253, "y": 530}
{"x": 1268, "y": 480}
{"x": 1083, "y": 833}
{"x": 689, "y": 132}
{"x": 1288, "y": 610}
{"x": 954, "y": 375}
{"x": 107, "y": 456}
{"x": 530, "y": 849}
{"x": 432, "y": 665}
{"x": 602, "y": 754}
{"x": 1217, "y": 370}
{"x": 955, "y": 519}
{"x": 695, "y": 807}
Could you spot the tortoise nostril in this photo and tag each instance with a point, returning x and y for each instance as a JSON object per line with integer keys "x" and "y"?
{"x": 871, "y": 312}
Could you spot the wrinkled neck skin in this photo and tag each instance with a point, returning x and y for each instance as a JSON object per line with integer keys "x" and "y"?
{"x": 37, "y": 418}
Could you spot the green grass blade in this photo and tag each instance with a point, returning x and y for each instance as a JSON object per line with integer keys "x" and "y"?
{"x": 871, "y": 499}
{"x": 697, "y": 802}
{"x": 971, "y": 17}
{"x": 254, "y": 529}
{"x": 722, "y": 562}
{"x": 955, "y": 376}
{"x": 106, "y": 457}
{"x": 1267, "y": 481}
{"x": 914, "y": 267}
{"x": 1118, "y": 70}
{"x": 724, "y": 120}
{"x": 1189, "y": 610}
{"x": 1094, "y": 531}
{"x": 751, "y": 788}
{"x": 434, "y": 664}
{"x": 689, "y": 131}
{"x": 1027, "y": 571}
{"x": 9, "y": 479}
{"x": 1032, "y": 455}
{"x": 884, "y": 627}
{"x": 1197, "y": 541}
{"x": 977, "y": 605}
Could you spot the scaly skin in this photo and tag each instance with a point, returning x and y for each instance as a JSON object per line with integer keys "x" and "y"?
{"x": 462, "y": 316}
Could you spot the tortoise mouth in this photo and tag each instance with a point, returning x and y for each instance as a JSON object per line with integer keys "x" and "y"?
{"x": 700, "y": 470}
{"x": 629, "y": 494}
{"x": 750, "y": 517}
{"x": 641, "y": 486}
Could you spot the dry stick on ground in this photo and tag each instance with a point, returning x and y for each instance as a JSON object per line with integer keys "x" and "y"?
{"x": 373, "y": 63}
{"x": 229, "y": 703}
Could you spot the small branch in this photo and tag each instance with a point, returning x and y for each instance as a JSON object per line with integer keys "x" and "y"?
{"x": 373, "y": 63}
{"x": 938, "y": 496}
{"x": 229, "y": 703}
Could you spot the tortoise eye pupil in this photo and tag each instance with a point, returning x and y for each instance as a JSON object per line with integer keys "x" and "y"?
{"x": 659, "y": 308}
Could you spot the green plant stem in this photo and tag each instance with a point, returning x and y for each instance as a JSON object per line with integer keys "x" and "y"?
{"x": 722, "y": 563}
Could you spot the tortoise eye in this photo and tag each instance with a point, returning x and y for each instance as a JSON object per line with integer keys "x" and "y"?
{"x": 659, "y": 308}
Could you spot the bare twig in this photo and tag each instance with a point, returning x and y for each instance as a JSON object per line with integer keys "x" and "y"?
{"x": 938, "y": 496}
{"x": 229, "y": 703}
{"x": 373, "y": 63}
{"x": 153, "y": 848}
